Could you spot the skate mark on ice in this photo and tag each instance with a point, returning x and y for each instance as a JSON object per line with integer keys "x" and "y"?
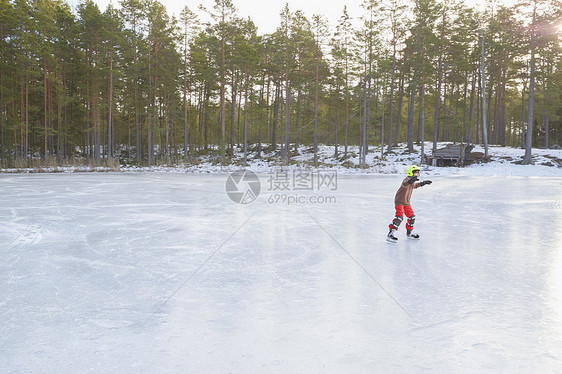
{"x": 31, "y": 235}
{"x": 363, "y": 268}
{"x": 85, "y": 239}
{"x": 186, "y": 281}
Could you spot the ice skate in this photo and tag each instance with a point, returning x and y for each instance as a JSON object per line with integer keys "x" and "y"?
{"x": 391, "y": 238}
{"x": 410, "y": 234}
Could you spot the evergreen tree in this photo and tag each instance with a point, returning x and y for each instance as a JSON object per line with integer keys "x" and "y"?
{"x": 189, "y": 27}
{"x": 86, "y": 84}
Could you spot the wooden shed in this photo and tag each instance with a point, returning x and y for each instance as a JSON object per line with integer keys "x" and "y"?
{"x": 452, "y": 154}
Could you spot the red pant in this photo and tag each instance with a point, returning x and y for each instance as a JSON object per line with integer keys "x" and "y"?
{"x": 400, "y": 211}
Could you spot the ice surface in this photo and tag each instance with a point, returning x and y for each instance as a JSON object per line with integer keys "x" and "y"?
{"x": 163, "y": 273}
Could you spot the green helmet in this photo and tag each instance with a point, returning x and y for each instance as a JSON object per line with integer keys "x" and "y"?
{"x": 411, "y": 169}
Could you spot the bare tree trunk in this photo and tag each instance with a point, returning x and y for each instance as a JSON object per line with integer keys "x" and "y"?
{"x": 245, "y": 123}
{"x": 471, "y": 110}
{"x": 287, "y": 116}
{"x": 523, "y": 134}
{"x": 239, "y": 112}
{"x": 59, "y": 129}
{"x": 138, "y": 145}
{"x": 489, "y": 112}
{"x": 185, "y": 127}
{"x": 391, "y": 99}
{"x": 346, "y": 115}
{"x": 167, "y": 128}
{"x": 276, "y": 115}
{"x": 363, "y": 141}
{"x": 110, "y": 112}
{"x": 546, "y": 129}
{"x": 232, "y": 115}
{"x": 336, "y": 131}
{"x": 151, "y": 107}
{"x": 26, "y": 146}
{"x": 495, "y": 129}
{"x": 399, "y": 114}
{"x": 128, "y": 136}
{"x": 204, "y": 115}
{"x": 438, "y": 105}
{"x": 529, "y": 142}
{"x": 223, "y": 86}
{"x": 465, "y": 90}
{"x": 297, "y": 122}
{"x": 382, "y": 124}
{"x": 484, "y": 124}
{"x": 45, "y": 112}
{"x": 2, "y": 114}
{"x": 502, "y": 127}
{"x": 411, "y": 117}
{"x": 96, "y": 119}
{"x": 546, "y": 111}
{"x": 316, "y": 118}
{"x": 422, "y": 123}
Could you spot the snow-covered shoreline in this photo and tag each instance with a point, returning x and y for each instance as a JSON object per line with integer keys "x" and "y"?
{"x": 504, "y": 161}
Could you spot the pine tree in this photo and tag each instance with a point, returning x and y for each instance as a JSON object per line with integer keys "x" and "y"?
{"x": 85, "y": 84}
{"x": 189, "y": 27}
{"x": 342, "y": 55}
{"x": 421, "y": 43}
{"x": 320, "y": 27}
{"x": 113, "y": 42}
{"x": 132, "y": 15}
{"x": 223, "y": 15}
{"x": 395, "y": 14}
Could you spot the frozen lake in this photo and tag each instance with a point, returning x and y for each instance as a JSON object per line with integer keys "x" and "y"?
{"x": 163, "y": 273}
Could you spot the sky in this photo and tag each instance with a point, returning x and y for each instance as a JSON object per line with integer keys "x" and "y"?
{"x": 265, "y": 13}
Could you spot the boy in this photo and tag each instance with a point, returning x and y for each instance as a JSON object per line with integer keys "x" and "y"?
{"x": 402, "y": 203}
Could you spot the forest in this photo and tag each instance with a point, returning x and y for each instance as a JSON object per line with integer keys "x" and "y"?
{"x": 133, "y": 84}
